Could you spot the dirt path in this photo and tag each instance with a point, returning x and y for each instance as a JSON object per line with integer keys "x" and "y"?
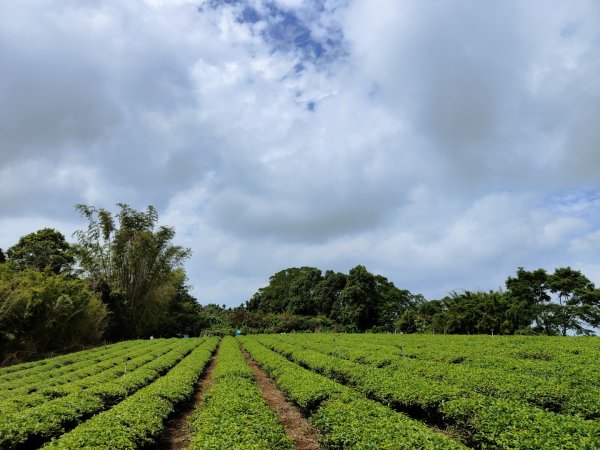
{"x": 305, "y": 436}
{"x": 177, "y": 433}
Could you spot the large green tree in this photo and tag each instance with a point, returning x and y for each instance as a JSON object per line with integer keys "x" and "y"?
{"x": 392, "y": 303}
{"x": 557, "y": 303}
{"x": 133, "y": 262}
{"x": 465, "y": 312}
{"x": 328, "y": 291}
{"x": 426, "y": 316}
{"x": 529, "y": 294}
{"x": 292, "y": 291}
{"x": 45, "y": 249}
{"x": 183, "y": 314}
{"x": 578, "y": 306}
{"x": 356, "y": 306}
{"x": 303, "y": 296}
{"x": 358, "y": 301}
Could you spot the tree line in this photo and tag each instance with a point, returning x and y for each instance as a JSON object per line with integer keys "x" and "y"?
{"x": 123, "y": 278}
{"x": 533, "y": 302}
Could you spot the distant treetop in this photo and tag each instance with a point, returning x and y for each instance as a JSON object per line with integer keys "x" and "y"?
{"x": 45, "y": 249}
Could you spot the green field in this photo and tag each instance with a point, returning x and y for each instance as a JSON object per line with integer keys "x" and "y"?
{"x": 376, "y": 391}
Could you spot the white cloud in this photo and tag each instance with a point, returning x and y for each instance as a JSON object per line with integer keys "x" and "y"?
{"x": 587, "y": 243}
{"x": 559, "y": 230}
{"x": 290, "y": 3}
{"x": 441, "y": 146}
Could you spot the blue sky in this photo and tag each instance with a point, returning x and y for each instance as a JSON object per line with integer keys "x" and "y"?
{"x": 441, "y": 144}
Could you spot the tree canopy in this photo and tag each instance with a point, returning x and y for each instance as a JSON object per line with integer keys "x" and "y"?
{"x": 42, "y": 311}
{"x": 133, "y": 263}
{"x": 356, "y": 302}
{"x": 563, "y": 302}
{"x": 45, "y": 249}
{"x": 578, "y": 306}
{"x": 124, "y": 278}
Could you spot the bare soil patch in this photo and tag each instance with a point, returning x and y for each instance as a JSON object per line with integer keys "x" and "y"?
{"x": 177, "y": 433}
{"x": 305, "y": 436}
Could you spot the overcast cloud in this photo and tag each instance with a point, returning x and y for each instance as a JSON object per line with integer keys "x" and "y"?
{"x": 442, "y": 144}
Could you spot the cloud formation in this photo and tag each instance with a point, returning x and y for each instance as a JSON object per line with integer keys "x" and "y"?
{"x": 442, "y": 145}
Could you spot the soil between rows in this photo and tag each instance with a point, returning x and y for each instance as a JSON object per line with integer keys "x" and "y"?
{"x": 304, "y": 435}
{"x": 177, "y": 433}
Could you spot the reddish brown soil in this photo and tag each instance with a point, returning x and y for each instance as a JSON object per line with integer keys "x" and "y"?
{"x": 177, "y": 433}
{"x": 305, "y": 436}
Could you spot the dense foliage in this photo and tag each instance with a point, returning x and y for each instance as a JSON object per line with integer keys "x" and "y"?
{"x": 44, "y": 311}
{"x": 39, "y": 400}
{"x": 124, "y": 278}
{"x": 564, "y": 302}
{"x": 234, "y": 414}
{"x": 517, "y": 392}
{"x": 356, "y": 302}
{"x": 358, "y": 390}
{"x": 44, "y": 250}
{"x": 140, "y": 418}
{"x": 345, "y": 418}
{"x": 133, "y": 263}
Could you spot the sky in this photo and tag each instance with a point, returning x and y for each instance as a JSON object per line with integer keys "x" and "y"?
{"x": 441, "y": 144}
